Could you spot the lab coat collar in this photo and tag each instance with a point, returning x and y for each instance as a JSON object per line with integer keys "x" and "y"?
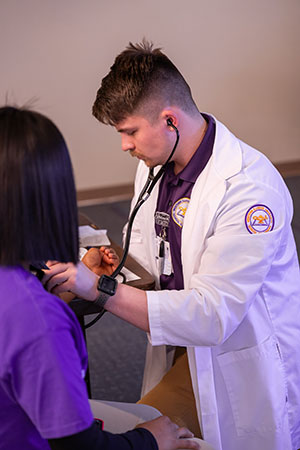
{"x": 226, "y": 144}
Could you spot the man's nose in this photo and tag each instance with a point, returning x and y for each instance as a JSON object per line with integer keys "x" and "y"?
{"x": 126, "y": 143}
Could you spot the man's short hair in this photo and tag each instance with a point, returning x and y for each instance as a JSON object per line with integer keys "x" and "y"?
{"x": 38, "y": 207}
{"x": 141, "y": 81}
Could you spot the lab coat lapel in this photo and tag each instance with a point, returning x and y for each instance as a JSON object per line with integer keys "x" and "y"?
{"x": 207, "y": 194}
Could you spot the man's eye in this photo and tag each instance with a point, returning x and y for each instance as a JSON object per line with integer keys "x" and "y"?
{"x": 131, "y": 133}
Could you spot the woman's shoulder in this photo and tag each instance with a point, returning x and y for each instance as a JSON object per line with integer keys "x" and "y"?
{"x": 27, "y": 305}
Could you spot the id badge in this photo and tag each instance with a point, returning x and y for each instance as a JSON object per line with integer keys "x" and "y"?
{"x": 163, "y": 257}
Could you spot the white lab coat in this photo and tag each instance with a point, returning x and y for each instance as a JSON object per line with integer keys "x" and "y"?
{"x": 239, "y": 312}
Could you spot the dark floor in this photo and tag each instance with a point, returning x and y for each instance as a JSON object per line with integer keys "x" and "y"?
{"x": 117, "y": 349}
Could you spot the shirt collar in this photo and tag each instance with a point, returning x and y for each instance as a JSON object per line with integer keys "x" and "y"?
{"x": 199, "y": 160}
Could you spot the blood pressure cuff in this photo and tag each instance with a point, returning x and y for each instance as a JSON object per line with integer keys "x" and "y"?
{"x": 94, "y": 439}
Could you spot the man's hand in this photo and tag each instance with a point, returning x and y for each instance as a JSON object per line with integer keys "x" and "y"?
{"x": 68, "y": 277}
{"x": 101, "y": 260}
{"x": 170, "y": 436}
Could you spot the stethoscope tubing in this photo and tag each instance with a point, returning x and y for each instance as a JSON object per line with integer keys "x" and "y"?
{"x": 144, "y": 195}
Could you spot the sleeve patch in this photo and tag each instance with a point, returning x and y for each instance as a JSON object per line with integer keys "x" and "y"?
{"x": 259, "y": 219}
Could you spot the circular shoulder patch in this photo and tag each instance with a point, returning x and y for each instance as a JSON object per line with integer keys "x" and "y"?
{"x": 179, "y": 209}
{"x": 259, "y": 219}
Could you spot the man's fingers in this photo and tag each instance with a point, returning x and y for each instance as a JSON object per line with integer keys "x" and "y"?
{"x": 184, "y": 433}
{"x": 185, "y": 441}
{"x": 110, "y": 259}
{"x": 110, "y": 252}
{"x": 188, "y": 444}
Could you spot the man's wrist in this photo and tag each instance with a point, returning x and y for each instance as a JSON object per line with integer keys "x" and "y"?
{"x": 101, "y": 299}
{"x": 106, "y": 288}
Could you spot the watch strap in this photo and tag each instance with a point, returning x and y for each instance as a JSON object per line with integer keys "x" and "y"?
{"x": 106, "y": 286}
{"x": 101, "y": 299}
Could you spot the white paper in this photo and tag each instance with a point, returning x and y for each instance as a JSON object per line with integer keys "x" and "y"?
{"x": 90, "y": 237}
{"x": 82, "y": 252}
{"x": 130, "y": 276}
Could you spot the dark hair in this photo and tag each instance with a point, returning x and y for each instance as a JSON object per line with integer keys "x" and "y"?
{"x": 38, "y": 210}
{"x": 142, "y": 80}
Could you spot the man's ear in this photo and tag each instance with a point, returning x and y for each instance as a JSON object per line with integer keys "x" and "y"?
{"x": 170, "y": 117}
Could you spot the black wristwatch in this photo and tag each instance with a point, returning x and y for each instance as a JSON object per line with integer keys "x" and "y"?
{"x": 107, "y": 287}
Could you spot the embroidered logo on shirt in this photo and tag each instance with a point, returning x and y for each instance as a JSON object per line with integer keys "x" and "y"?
{"x": 179, "y": 209}
{"x": 259, "y": 219}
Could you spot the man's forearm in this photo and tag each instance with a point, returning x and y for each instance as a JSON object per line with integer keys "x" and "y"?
{"x": 130, "y": 304}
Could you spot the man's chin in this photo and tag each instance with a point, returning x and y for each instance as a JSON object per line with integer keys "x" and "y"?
{"x": 149, "y": 164}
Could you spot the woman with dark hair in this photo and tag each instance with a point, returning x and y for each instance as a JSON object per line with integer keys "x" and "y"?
{"x": 38, "y": 198}
{"x": 43, "y": 398}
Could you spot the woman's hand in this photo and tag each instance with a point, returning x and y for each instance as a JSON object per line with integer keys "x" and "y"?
{"x": 81, "y": 279}
{"x": 68, "y": 277}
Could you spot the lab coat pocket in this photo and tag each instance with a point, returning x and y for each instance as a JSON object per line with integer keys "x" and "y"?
{"x": 254, "y": 379}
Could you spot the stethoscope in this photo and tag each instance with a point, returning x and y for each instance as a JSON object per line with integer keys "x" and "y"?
{"x": 144, "y": 195}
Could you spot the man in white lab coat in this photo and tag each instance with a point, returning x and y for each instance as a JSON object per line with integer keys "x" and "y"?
{"x": 216, "y": 235}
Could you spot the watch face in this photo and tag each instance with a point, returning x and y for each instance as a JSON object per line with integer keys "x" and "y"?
{"x": 107, "y": 284}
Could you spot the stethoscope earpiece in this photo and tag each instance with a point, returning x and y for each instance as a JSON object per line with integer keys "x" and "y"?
{"x": 171, "y": 124}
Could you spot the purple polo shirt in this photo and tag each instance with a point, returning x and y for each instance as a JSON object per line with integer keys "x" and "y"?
{"x": 173, "y": 198}
{"x": 43, "y": 361}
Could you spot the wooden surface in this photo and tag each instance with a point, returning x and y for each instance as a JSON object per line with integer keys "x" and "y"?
{"x": 145, "y": 282}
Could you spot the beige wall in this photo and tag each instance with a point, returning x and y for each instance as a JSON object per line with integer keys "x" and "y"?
{"x": 241, "y": 59}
